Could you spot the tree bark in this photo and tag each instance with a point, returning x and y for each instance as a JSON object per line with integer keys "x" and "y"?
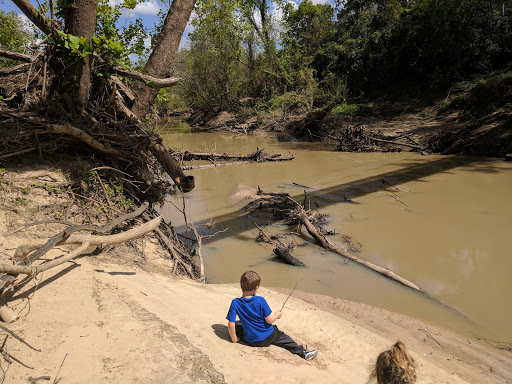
{"x": 35, "y": 16}
{"x": 284, "y": 254}
{"x": 15, "y": 55}
{"x": 156, "y": 82}
{"x": 159, "y": 63}
{"x": 81, "y": 21}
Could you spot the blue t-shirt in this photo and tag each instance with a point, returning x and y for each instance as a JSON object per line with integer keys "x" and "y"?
{"x": 252, "y": 313}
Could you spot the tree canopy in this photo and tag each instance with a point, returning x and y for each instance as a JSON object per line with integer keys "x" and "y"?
{"x": 353, "y": 48}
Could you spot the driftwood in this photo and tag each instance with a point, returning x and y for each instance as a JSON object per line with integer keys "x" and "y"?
{"x": 86, "y": 241}
{"x": 168, "y": 162}
{"x": 192, "y": 167}
{"x": 396, "y": 143}
{"x": 257, "y": 156}
{"x": 299, "y": 215}
{"x": 281, "y": 251}
{"x": 284, "y": 254}
{"x": 360, "y": 139}
{"x": 334, "y": 248}
{"x": 44, "y": 247}
{"x": 15, "y": 55}
{"x": 15, "y": 69}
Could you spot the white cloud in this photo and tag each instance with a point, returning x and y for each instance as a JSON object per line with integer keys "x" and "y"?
{"x": 315, "y": 2}
{"x": 147, "y": 8}
{"x": 113, "y": 3}
{"x": 27, "y": 25}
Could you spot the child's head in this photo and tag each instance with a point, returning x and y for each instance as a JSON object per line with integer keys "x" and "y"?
{"x": 395, "y": 366}
{"x": 249, "y": 281}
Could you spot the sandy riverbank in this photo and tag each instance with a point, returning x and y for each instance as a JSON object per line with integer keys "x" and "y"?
{"x": 101, "y": 322}
{"x": 120, "y": 317}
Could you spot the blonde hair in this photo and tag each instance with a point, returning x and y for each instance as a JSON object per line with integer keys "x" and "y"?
{"x": 394, "y": 366}
{"x": 249, "y": 281}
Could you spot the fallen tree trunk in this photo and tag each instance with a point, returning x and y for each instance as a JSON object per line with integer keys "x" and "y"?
{"x": 85, "y": 241}
{"x": 257, "y": 156}
{"x": 17, "y": 68}
{"x": 192, "y": 167}
{"x": 21, "y": 252}
{"x": 184, "y": 182}
{"x": 396, "y": 143}
{"x": 327, "y": 245}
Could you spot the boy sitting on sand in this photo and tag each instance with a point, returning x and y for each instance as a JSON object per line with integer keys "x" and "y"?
{"x": 256, "y": 318}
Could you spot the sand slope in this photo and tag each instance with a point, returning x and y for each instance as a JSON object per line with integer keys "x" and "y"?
{"x": 108, "y": 323}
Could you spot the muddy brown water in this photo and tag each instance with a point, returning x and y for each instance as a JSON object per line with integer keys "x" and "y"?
{"x": 444, "y": 223}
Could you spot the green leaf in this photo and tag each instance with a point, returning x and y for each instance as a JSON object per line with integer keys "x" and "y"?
{"x": 73, "y": 42}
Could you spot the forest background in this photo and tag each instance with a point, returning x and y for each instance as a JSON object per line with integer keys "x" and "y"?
{"x": 341, "y": 57}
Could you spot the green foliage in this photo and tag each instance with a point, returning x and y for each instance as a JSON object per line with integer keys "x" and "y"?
{"x": 481, "y": 96}
{"x": 345, "y": 109}
{"x": 13, "y": 36}
{"x": 74, "y": 47}
{"x": 116, "y": 45}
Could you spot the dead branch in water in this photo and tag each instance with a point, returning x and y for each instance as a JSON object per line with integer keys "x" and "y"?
{"x": 281, "y": 251}
{"x": 320, "y": 238}
{"x": 259, "y": 156}
{"x": 298, "y": 214}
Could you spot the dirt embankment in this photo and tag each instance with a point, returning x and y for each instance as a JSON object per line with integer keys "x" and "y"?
{"x": 119, "y": 316}
{"x": 387, "y": 128}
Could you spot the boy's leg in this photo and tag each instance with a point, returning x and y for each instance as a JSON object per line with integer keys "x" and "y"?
{"x": 285, "y": 341}
{"x": 239, "y": 330}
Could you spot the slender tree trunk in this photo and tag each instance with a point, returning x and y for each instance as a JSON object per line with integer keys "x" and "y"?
{"x": 34, "y": 15}
{"x": 81, "y": 21}
{"x": 159, "y": 63}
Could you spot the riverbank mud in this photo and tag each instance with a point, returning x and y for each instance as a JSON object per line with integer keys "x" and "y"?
{"x": 380, "y": 128}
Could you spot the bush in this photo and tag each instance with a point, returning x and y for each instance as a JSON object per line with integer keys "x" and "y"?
{"x": 345, "y": 109}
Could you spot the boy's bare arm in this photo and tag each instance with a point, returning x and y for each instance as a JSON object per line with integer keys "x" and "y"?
{"x": 273, "y": 317}
{"x": 232, "y": 332}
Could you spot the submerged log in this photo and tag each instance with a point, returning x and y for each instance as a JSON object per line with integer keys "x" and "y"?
{"x": 284, "y": 254}
{"x": 257, "y": 156}
{"x": 334, "y": 248}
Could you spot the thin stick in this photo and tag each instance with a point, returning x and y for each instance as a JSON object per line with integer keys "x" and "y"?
{"x": 295, "y": 286}
{"x": 429, "y": 335}
{"x": 18, "y": 338}
{"x": 57, "y": 375}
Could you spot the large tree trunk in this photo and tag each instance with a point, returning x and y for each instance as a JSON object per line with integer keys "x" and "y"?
{"x": 81, "y": 21}
{"x": 159, "y": 63}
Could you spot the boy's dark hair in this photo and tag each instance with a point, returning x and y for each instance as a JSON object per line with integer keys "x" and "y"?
{"x": 249, "y": 281}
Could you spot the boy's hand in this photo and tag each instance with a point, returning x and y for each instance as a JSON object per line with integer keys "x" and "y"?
{"x": 279, "y": 314}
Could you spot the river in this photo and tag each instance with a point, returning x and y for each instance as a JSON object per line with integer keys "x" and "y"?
{"x": 441, "y": 222}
